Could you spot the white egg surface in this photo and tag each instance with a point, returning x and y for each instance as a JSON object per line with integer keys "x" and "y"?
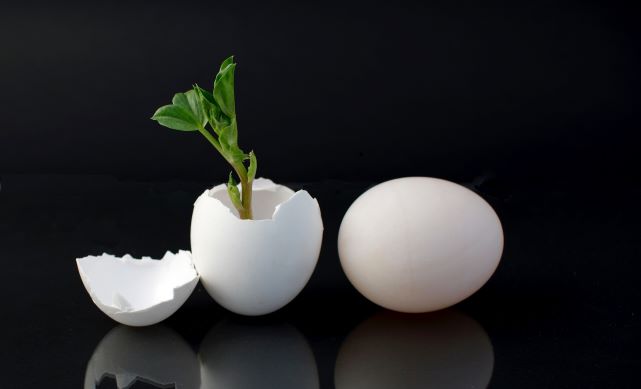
{"x": 419, "y": 244}
{"x": 255, "y": 267}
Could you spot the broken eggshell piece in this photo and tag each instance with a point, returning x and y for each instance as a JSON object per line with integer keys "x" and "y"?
{"x": 138, "y": 292}
{"x": 254, "y": 267}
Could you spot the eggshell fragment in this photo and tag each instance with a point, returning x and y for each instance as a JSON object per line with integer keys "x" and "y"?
{"x": 154, "y": 355}
{"x": 419, "y": 244}
{"x": 138, "y": 292}
{"x": 254, "y": 267}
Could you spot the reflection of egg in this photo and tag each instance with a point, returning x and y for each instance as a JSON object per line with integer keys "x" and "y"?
{"x": 154, "y": 355}
{"x": 437, "y": 350}
{"x": 419, "y": 244}
{"x": 138, "y": 292}
{"x": 254, "y": 267}
{"x": 248, "y": 356}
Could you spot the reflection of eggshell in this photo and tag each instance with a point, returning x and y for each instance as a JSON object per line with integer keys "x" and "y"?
{"x": 438, "y": 350}
{"x": 138, "y": 292}
{"x": 154, "y": 355}
{"x": 249, "y": 356}
{"x": 254, "y": 267}
{"x": 419, "y": 244}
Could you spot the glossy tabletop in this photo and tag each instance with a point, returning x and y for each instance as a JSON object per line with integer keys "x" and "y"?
{"x": 560, "y": 312}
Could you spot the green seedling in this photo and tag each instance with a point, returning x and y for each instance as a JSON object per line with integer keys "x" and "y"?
{"x": 213, "y": 114}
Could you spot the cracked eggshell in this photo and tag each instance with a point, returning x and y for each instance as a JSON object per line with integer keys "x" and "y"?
{"x": 254, "y": 267}
{"x": 138, "y": 292}
{"x": 419, "y": 244}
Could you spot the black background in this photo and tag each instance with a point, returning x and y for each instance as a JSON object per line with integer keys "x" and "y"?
{"x": 368, "y": 90}
{"x": 533, "y": 105}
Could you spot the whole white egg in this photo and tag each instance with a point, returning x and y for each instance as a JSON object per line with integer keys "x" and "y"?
{"x": 419, "y": 244}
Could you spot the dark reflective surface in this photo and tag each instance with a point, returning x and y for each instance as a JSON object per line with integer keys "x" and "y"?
{"x": 561, "y": 310}
{"x": 153, "y": 355}
{"x": 438, "y": 350}
{"x": 446, "y": 349}
{"x": 244, "y": 355}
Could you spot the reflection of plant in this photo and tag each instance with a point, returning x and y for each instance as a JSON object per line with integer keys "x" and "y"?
{"x": 194, "y": 109}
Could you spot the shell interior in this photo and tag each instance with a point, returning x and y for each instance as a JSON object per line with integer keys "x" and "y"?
{"x": 266, "y": 198}
{"x": 127, "y": 284}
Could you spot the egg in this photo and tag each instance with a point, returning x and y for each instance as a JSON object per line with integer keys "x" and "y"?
{"x": 138, "y": 292}
{"x": 254, "y": 267}
{"x": 419, "y": 244}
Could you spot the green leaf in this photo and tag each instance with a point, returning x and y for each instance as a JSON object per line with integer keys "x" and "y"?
{"x": 190, "y": 102}
{"x": 196, "y": 106}
{"x": 253, "y": 165}
{"x": 213, "y": 112}
{"x": 224, "y": 90}
{"x": 226, "y": 62}
{"x": 234, "y": 193}
{"x": 205, "y": 95}
{"x": 237, "y": 155}
{"x": 207, "y": 100}
{"x": 233, "y": 154}
{"x": 176, "y": 118}
{"x": 229, "y": 134}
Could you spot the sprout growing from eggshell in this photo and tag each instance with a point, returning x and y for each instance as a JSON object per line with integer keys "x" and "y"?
{"x": 213, "y": 114}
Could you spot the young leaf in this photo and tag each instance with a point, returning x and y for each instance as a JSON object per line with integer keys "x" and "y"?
{"x": 205, "y": 94}
{"x": 237, "y": 156}
{"x": 234, "y": 193}
{"x": 190, "y": 102}
{"x": 229, "y": 135}
{"x": 253, "y": 165}
{"x": 226, "y": 62}
{"x": 224, "y": 90}
{"x": 196, "y": 107}
{"x": 176, "y": 118}
{"x": 212, "y": 111}
{"x": 233, "y": 154}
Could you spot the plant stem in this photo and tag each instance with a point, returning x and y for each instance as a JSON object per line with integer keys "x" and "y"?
{"x": 246, "y": 186}
{"x": 211, "y": 139}
{"x": 246, "y": 192}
